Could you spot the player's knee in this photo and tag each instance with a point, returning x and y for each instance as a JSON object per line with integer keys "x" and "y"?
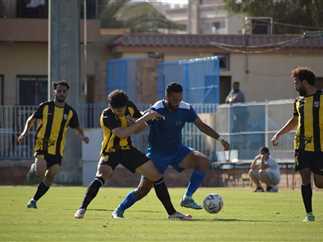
{"x": 318, "y": 182}
{"x": 142, "y": 191}
{"x": 104, "y": 172}
{"x": 203, "y": 164}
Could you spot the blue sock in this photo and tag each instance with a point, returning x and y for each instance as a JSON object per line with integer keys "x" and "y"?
{"x": 127, "y": 202}
{"x": 195, "y": 182}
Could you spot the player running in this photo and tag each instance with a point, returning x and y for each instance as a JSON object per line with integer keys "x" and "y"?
{"x": 54, "y": 117}
{"x": 166, "y": 148}
{"x": 117, "y": 125}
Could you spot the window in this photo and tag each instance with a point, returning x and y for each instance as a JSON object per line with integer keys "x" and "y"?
{"x": 1, "y": 89}
{"x": 32, "y": 89}
{"x": 224, "y": 60}
{"x": 32, "y": 9}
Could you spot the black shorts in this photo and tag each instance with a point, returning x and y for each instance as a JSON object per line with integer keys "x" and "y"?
{"x": 50, "y": 159}
{"x": 131, "y": 159}
{"x": 311, "y": 160}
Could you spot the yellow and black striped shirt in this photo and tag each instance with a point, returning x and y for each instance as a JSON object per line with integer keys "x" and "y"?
{"x": 309, "y": 134}
{"x": 110, "y": 121}
{"x": 51, "y": 130}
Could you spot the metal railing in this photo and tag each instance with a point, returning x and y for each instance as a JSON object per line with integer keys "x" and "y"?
{"x": 246, "y": 126}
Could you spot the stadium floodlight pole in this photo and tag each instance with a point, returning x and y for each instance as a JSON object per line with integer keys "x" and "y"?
{"x": 85, "y": 46}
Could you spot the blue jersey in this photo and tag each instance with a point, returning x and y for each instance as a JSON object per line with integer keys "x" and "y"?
{"x": 165, "y": 136}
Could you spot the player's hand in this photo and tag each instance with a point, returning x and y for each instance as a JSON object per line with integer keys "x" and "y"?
{"x": 85, "y": 139}
{"x": 153, "y": 115}
{"x": 274, "y": 140}
{"x": 225, "y": 144}
{"x": 20, "y": 138}
{"x": 130, "y": 120}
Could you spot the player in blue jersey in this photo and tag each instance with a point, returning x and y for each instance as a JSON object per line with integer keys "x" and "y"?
{"x": 166, "y": 148}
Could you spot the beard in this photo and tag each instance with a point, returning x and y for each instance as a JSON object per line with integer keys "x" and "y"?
{"x": 302, "y": 92}
{"x": 60, "y": 99}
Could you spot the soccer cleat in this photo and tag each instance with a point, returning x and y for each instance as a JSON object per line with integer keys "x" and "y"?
{"x": 309, "y": 218}
{"x": 190, "y": 203}
{"x": 179, "y": 216}
{"x": 116, "y": 214}
{"x": 80, "y": 213}
{"x": 259, "y": 189}
{"x": 32, "y": 204}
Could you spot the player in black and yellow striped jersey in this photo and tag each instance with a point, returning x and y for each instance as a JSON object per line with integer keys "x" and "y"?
{"x": 54, "y": 118}
{"x": 118, "y": 123}
{"x": 308, "y": 143}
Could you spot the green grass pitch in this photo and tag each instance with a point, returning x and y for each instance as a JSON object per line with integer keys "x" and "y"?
{"x": 246, "y": 216}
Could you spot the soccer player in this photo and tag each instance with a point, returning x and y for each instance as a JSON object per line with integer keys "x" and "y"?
{"x": 117, "y": 123}
{"x": 166, "y": 148}
{"x": 54, "y": 117}
{"x": 308, "y": 142}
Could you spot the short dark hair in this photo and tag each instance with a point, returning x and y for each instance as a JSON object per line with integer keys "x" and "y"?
{"x": 304, "y": 73}
{"x": 118, "y": 99}
{"x": 264, "y": 150}
{"x": 61, "y": 83}
{"x": 174, "y": 87}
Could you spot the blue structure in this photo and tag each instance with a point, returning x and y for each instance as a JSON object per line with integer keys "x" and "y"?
{"x": 199, "y": 78}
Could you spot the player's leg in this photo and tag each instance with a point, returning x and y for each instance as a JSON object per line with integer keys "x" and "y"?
{"x": 149, "y": 170}
{"x": 40, "y": 166}
{"x": 104, "y": 172}
{"x": 254, "y": 176}
{"x": 132, "y": 197}
{"x": 318, "y": 180}
{"x": 270, "y": 178}
{"x": 306, "y": 190}
{"x": 200, "y": 164}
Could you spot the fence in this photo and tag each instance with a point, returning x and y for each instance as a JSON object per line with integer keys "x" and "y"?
{"x": 246, "y": 126}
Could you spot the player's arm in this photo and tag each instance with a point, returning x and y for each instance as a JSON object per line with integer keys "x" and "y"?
{"x": 28, "y": 125}
{"x": 137, "y": 114}
{"x": 75, "y": 124}
{"x": 290, "y": 125}
{"x": 206, "y": 129}
{"x": 123, "y": 132}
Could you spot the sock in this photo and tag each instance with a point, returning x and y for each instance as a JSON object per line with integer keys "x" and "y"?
{"x": 307, "y": 197}
{"x": 163, "y": 195}
{"x": 41, "y": 190}
{"x": 92, "y": 191}
{"x": 128, "y": 201}
{"x": 195, "y": 182}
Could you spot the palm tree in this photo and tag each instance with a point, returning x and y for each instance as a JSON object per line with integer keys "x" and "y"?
{"x": 138, "y": 17}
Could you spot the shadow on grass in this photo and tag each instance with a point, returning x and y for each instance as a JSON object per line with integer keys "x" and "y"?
{"x": 238, "y": 220}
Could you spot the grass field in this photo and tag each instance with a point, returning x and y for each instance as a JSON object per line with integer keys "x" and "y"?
{"x": 246, "y": 216}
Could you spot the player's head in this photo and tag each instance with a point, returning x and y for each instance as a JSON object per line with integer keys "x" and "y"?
{"x": 236, "y": 86}
{"x": 61, "y": 90}
{"x": 118, "y": 101}
{"x": 174, "y": 95}
{"x": 304, "y": 78}
{"x": 264, "y": 152}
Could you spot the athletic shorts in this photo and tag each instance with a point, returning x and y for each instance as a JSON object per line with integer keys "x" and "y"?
{"x": 129, "y": 158}
{"x": 162, "y": 160}
{"x": 50, "y": 159}
{"x": 311, "y": 160}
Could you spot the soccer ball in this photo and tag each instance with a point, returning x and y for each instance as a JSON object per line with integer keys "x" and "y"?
{"x": 213, "y": 203}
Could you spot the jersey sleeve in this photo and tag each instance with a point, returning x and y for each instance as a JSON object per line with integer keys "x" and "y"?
{"x": 38, "y": 114}
{"x": 109, "y": 121}
{"x": 191, "y": 116}
{"x": 295, "y": 113}
{"x": 74, "y": 123}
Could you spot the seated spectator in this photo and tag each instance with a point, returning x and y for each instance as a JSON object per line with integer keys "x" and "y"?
{"x": 265, "y": 170}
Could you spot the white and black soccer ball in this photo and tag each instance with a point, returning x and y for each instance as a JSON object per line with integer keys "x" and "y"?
{"x": 213, "y": 203}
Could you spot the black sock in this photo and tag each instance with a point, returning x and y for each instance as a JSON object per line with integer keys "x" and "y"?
{"x": 307, "y": 197}
{"x": 163, "y": 195}
{"x": 41, "y": 190}
{"x": 92, "y": 191}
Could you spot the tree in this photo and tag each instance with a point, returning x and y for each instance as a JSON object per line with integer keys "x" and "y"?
{"x": 290, "y": 16}
{"x": 138, "y": 17}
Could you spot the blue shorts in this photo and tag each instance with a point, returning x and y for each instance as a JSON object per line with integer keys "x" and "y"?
{"x": 162, "y": 161}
